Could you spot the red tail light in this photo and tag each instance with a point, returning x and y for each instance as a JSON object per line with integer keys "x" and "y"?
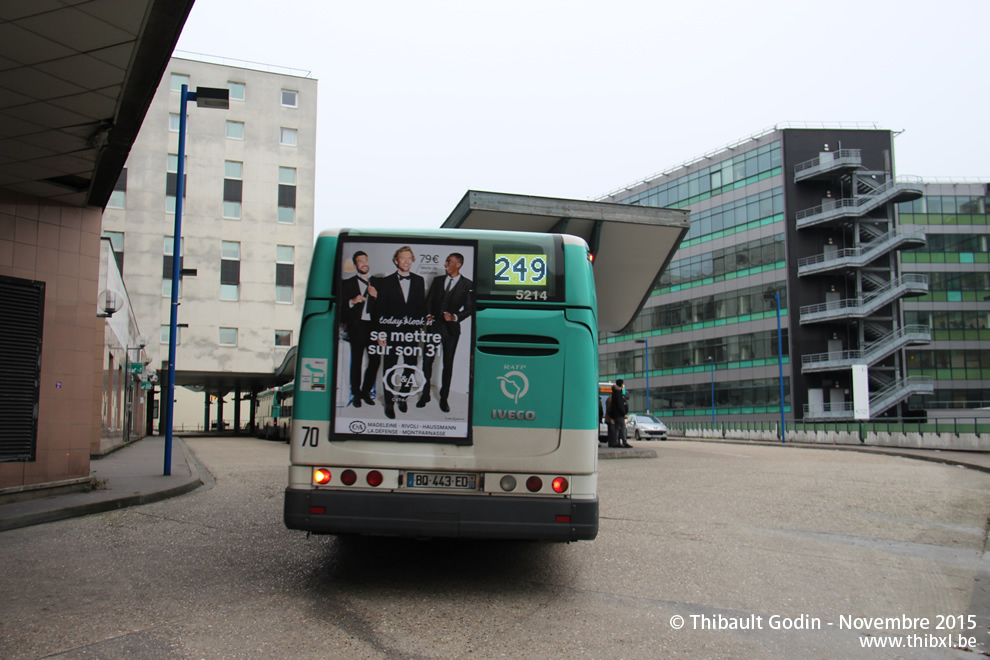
{"x": 374, "y": 478}
{"x": 559, "y": 485}
{"x": 534, "y": 484}
{"x": 348, "y": 477}
{"x": 321, "y": 476}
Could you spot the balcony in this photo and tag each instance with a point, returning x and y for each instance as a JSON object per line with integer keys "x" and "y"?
{"x": 873, "y": 353}
{"x": 856, "y": 308}
{"x": 879, "y": 401}
{"x": 854, "y": 207}
{"x": 858, "y": 257}
{"x": 828, "y": 164}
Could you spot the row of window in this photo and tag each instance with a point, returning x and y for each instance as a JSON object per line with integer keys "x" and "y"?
{"x": 710, "y": 180}
{"x": 233, "y": 184}
{"x": 763, "y": 205}
{"x": 720, "y": 350}
{"x": 737, "y": 394}
{"x": 230, "y": 270}
{"x": 228, "y": 337}
{"x": 952, "y": 359}
{"x": 950, "y": 320}
{"x": 954, "y": 243}
{"x": 289, "y": 98}
{"x": 759, "y": 252}
{"x": 952, "y": 398}
{"x": 963, "y": 204}
{"x": 287, "y": 136}
{"x": 943, "y": 281}
{"x": 718, "y": 306}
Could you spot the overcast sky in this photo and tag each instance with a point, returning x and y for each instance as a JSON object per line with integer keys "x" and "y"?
{"x": 420, "y": 101}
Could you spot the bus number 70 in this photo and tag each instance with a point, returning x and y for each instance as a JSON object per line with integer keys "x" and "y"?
{"x": 312, "y": 436}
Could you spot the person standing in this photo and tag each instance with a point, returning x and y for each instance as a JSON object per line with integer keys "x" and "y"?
{"x": 615, "y": 416}
{"x": 401, "y": 309}
{"x": 360, "y": 296}
{"x": 449, "y": 301}
{"x": 624, "y": 402}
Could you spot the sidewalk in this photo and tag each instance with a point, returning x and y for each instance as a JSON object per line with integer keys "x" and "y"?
{"x": 134, "y": 475}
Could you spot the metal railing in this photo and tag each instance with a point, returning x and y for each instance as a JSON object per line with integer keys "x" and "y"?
{"x": 865, "y": 304}
{"x": 837, "y": 157}
{"x": 868, "y": 251}
{"x": 847, "y": 206}
{"x": 909, "y": 334}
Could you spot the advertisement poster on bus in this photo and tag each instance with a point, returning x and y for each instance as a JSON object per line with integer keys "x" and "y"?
{"x": 405, "y": 336}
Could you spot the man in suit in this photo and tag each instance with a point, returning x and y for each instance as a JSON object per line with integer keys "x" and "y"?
{"x": 401, "y": 308}
{"x": 449, "y": 302}
{"x": 360, "y": 295}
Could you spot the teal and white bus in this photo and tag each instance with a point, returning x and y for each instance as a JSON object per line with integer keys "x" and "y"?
{"x": 446, "y": 386}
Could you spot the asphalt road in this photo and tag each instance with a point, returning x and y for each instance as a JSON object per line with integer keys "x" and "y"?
{"x": 723, "y": 536}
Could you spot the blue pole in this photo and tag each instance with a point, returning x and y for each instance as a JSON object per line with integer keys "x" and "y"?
{"x": 780, "y": 366}
{"x": 173, "y": 321}
{"x": 713, "y": 391}
{"x": 646, "y": 344}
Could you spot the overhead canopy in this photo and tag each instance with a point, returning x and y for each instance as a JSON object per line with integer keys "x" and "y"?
{"x": 632, "y": 245}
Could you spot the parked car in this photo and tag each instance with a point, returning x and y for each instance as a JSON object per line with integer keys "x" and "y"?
{"x": 645, "y": 427}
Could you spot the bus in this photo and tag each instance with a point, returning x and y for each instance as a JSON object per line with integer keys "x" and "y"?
{"x": 273, "y": 414}
{"x": 444, "y": 384}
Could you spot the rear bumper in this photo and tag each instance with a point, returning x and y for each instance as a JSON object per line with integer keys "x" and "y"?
{"x": 427, "y": 515}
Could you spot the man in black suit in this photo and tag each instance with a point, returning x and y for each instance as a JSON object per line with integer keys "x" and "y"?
{"x": 449, "y": 302}
{"x": 401, "y": 309}
{"x": 360, "y": 295}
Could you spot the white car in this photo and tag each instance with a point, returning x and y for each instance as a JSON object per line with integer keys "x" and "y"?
{"x": 645, "y": 427}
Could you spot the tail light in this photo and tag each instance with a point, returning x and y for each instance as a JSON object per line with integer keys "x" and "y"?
{"x": 321, "y": 476}
{"x": 559, "y": 485}
{"x": 374, "y": 478}
{"x": 534, "y": 484}
{"x": 348, "y": 477}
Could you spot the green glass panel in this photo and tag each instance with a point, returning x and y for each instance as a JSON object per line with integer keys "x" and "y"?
{"x": 954, "y": 296}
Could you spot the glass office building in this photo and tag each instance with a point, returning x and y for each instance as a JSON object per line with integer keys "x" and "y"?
{"x": 869, "y": 293}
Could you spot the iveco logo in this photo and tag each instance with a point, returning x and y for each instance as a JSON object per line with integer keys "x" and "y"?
{"x": 514, "y": 385}
{"x": 527, "y": 415}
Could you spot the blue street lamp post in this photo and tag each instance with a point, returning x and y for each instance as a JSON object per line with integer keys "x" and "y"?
{"x": 646, "y": 344}
{"x": 775, "y": 295}
{"x": 712, "y": 360}
{"x": 205, "y": 97}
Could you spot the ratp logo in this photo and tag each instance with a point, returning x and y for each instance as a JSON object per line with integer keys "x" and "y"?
{"x": 514, "y": 385}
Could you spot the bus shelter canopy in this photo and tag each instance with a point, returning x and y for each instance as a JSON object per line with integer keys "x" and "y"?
{"x": 631, "y": 245}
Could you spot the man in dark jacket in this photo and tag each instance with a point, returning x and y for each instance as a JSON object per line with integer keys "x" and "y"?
{"x": 449, "y": 302}
{"x": 359, "y": 295}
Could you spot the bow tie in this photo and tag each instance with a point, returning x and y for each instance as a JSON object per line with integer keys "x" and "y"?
{"x": 404, "y": 277}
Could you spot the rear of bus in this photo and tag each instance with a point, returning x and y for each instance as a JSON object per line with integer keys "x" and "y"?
{"x": 515, "y": 454}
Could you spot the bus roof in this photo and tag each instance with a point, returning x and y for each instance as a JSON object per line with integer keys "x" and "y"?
{"x": 631, "y": 245}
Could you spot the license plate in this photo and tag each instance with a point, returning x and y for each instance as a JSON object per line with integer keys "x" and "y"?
{"x": 442, "y": 480}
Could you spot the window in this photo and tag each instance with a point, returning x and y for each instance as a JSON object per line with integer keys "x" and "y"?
{"x": 235, "y": 130}
{"x": 228, "y": 336}
{"x": 284, "y": 273}
{"x": 283, "y": 338}
{"x": 287, "y": 195}
{"x": 178, "y": 80}
{"x": 118, "y": 197}
{"x": 171, "y": 182}
{"x": 236, "y": 91}
{"x": 167, "y": 250}
{"x": 178, "y": 335}
{"x": 117, "y": 244}
{"x": 287, "y": 137}
{"x": 290, "y": 99}
{"x": 230, "y": 270}
{"x": 173, "y": 123}
{"x": 232, "y": 188}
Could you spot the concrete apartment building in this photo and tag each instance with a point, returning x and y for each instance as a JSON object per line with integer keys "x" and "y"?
{"x": 247, "y": 231}
{"x": 870, "y": 308}
{"x": 75, "y": 82}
